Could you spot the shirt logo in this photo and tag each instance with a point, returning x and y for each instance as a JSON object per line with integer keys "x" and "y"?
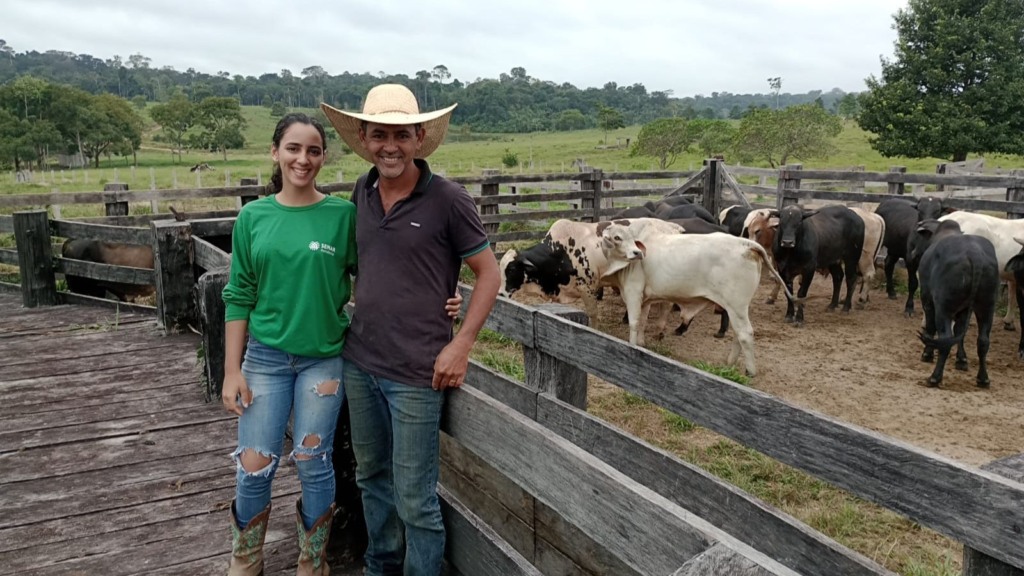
{"x": 321, "y": 247}
{"x": 414, "y": 224}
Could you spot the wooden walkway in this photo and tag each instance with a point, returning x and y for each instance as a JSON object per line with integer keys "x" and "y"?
{"x": 110, "y": 461}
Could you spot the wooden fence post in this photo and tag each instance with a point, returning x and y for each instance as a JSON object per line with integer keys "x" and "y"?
{"x": 548, "y": 374}
{"x": 857, "y": 185}
{"x": 1015, "y": 194}
{"x": 591, "y": 182}
{"x": 897, "y": 187}
{"x": 977, "y": 563}
{"x": 940, "y": 169}
{"x": 172, "y": 266}
{"x": 712, "y": 198}
{"x": 115, "y": 206}
{"x": 246, "y": 198}
{"x": 489, "y": 205}
{"x": 789, "y": 179}
{"x": 211, "y": 324}
{"x": 35, "y": 258}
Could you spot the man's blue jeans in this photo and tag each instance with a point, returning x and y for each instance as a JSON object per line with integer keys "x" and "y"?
{"x": 395, "y": 437}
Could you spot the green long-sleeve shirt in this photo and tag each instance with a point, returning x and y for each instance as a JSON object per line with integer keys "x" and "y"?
{"x": 290, "y": 274}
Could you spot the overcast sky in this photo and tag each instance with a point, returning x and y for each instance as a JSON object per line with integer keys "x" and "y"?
{"x": 686, "y": 46}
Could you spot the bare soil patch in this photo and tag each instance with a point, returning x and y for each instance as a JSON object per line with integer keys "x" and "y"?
{"x": 864, "y": 368}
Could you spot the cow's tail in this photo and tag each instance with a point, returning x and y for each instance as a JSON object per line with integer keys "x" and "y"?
{"x": 763, "y": 254}
{"x": 940, "y": 343}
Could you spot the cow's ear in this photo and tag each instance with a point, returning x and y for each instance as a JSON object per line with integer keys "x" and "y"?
{"x": 601, "y": 226}
{"x": 809, "y": 213}
{"x": 643, "y": 249}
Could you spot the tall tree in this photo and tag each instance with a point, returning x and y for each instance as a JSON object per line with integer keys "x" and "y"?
{"x": 221, "y": 123}
{"x": 609, "y": 119}
{"x": 956, "y": 85}
{"x": 774, "y": 136}
{"x": 175, "y": 118}
{"x": 111, "y": 125}
{"x": 664, "y": 139}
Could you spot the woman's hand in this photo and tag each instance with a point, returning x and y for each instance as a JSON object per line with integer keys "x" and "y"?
{"x": 453, "y": 305}
{"x": 235, "y": 389}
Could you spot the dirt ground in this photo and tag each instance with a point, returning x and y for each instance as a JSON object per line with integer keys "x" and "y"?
{"x": 864, "y": 368}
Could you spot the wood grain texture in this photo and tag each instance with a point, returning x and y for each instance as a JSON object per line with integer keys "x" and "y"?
{"x": 172, "y": 262}
{"x": 209, "y": 257}
{"x": 101, "y": 232}
{"x": 35, "y": 258}
{"x": 750, "y": 520}
{"x": 474, "y": 548}
{"x": 545, "y": 465}
{"x": 977, "y": 507}
{"x": 108, "y": 272}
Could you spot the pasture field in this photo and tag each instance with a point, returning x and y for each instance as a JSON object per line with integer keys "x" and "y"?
{"x": 863, "y": 368}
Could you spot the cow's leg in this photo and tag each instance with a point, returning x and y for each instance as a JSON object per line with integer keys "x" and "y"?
{"x": 984, "y": 314}
{"x": 663, "y": 310}
{"x": 805, "y": 286}
{"x": 943, "y": 336}
{"x": 744, "y": 333}
{"x": 634, "y": 305}
{"x": 723, "y": 323}
{"x": 1011, "y": 305}
{"x": 851, "y": 267}
{"x": 790, "y": 307}
{"x": 928, "y": 329}
{"x": 836, "y": 272}
{"x": 908, "y": 308}
{"x": 963, "y": 318}
{"x": 890, "y": 267}
{"x": 590, "y": 305}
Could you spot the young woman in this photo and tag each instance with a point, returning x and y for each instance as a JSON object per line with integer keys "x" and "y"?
{"x": 293, "y": 256}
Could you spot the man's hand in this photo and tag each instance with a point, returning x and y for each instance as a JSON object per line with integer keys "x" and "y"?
{"x": 451, "y": 365}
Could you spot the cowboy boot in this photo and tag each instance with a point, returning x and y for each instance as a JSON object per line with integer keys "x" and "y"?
{"x": 247, "y": 544}
{"x": 313, "y": 543}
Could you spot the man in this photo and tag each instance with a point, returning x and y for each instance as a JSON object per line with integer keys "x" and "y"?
{"x": 413, "y": 231}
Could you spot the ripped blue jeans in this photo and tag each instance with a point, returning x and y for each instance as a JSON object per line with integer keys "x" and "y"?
{"x": 279, "y": 382}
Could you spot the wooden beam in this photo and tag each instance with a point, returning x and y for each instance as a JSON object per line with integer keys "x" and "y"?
{"x": 212, "y": 226}
{"x": 35, "y": 258}
{"x": 770, "y": 530}
{"x": 108, "y": 272}
{"x": 973, "y": 506}
{"x": 6, "y": 224}
{"x": 977, "y": 563}
{"x": 9, "y": 256}
{"x": 661, "y": 535}
{"x": 689, "y": 183}
{"x": 474, "y": 548}
{"x": 172, "y": 263}
{"x": 208, "y": 256}
{"x": 71, "y": 298}
{"x": 101, "y": 232}
{"x": 961, "y": 203}
{"x": 545, "y": 373}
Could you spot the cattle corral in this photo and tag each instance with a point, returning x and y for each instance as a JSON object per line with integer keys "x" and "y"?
{"x": 862, "y": 368}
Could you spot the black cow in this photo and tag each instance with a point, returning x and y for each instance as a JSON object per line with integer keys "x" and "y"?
{"x": 698, "y": 226}
{"x": 675, "y": 200}
{"x": 901, "y": 217}
{"x": 644, "y": 211}
{"x": 733, "y": 219}
{"x": 546, "y": 265}
{"x": 1016, "y": 267}
{"x": 959, "y": 275}
{"x": 132, "y": 255}
{"x": 830, "y": 238}
{"x": 668, "y": 212}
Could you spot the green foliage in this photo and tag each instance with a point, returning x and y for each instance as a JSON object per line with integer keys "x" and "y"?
{"x": 956, "y": 85}
{"x": 175, "y": 118}
{"x": 220, "y": 121}
{"x": 571, "y": 119}
{"x": 728, "y": 372}
{"x": 664, "y": 139}
{"x": 675, "y": 422}
{"x": 278, "y": 110}
{"x": 510, "y": 159}
{"x": 712, "y": 136}
{"x": 609, "y": 119}
{"x": 775, "y": 136}
{"x": 848, "y": 107}
{"x": 139, "y": 102}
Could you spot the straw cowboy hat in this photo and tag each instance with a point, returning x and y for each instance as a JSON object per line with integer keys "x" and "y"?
{"x": 390, "y": 104}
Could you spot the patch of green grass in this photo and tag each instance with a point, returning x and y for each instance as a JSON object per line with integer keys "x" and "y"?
{"x": 491, "y": 337}
{"x": 733, "y": 373}
{"x": 634, "y": 400}
{"x": 502, "y": 362}
{"x": 676, "y": 423}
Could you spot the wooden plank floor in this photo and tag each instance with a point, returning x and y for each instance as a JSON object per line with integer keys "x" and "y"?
{"x": 111, "y": 463}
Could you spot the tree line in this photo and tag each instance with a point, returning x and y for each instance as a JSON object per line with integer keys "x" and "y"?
{"x": 512, "y": 102}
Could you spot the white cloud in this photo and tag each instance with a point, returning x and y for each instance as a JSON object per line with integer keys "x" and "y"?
{"x": 685, "y": 46}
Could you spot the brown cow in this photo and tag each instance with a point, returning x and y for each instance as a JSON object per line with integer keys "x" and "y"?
{"x": 108, "y": 253}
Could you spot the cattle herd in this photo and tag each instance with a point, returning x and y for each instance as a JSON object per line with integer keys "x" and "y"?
{"x": 676, "y": 253}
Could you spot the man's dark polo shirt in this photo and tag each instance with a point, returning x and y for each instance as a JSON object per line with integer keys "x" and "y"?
{"x": 408, "y": 266}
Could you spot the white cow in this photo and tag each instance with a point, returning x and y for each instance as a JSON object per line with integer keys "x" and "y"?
{"x": 570, "y": 259}
{"x": 693, "y": 271}
{"x": 874, "y": 233}
{"x": 1001, "y": 233}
